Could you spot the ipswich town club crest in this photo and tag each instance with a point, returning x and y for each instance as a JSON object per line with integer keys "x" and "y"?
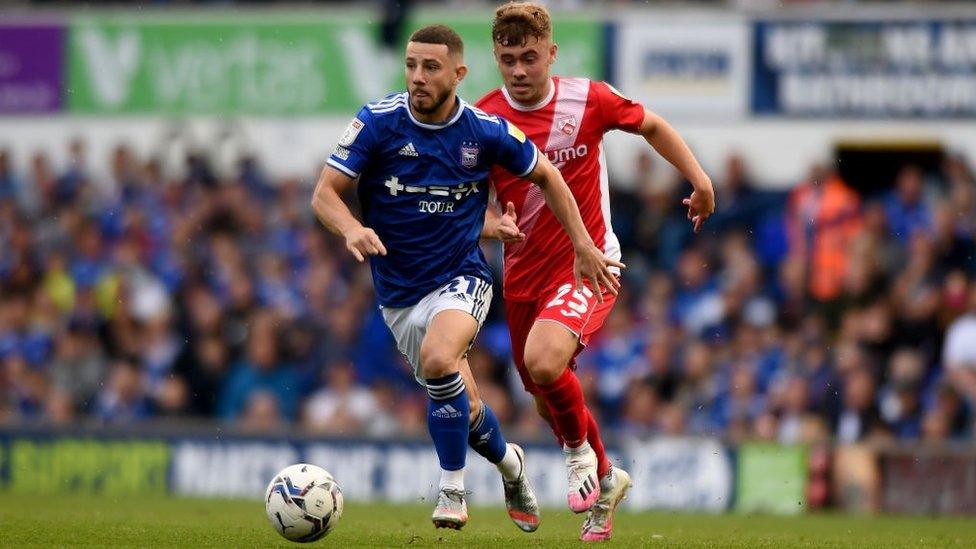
{"x": 567, "y": 124}
{"x": 469, "y": 154}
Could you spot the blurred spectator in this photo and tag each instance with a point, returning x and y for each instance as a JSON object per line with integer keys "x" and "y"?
{"x": 741, "y": 206}
{"x": 12, "y": 189}
{"x": 698, "y": 388}
{"x": 260, "y": 371}
{"x": 953, "y": 248}
{"x": 79, "y": 367}
{"x": 935, "y": 427}
{"x": 123, "y": 400}
{"x": 959, "y": 352}
{"x": 857, "y": 417}
{"x": 262, "y": 413}
{"x": 343, "y": 406}
{"x": 59, "y": 408}
{"x": 823, "y": 217}
{"x": 915, "y": 295}
{"x": 953, "y": 417}
{"x": 698, "y": 303}
{"x": 73, "y": 181}
{"x": 795, "y": 418}
{"x": 901, "y": 406}
{"x": 171, "y": 398}
{"x": 962, "y": 197}
{"x": 204, "y": 364}
{"x": 615, "y": 358}
{"x": 740, "y": 404}
{"x": 640, "y": 413}
{"x": 652, "y": 219}
{"x": 907, "y": 208}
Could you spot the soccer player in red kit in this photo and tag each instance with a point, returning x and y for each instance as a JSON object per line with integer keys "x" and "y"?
{"x": 550, "y": 314}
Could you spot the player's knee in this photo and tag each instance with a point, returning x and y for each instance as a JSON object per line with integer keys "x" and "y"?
{"x": 437, "y": 362}
{"x": 542, "y": 366}
{"x": 545, "y": 372}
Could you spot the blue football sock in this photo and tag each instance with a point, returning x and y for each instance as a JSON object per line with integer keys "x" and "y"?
{"x": 485, "y": 435}
{"x": 447, "y": 419}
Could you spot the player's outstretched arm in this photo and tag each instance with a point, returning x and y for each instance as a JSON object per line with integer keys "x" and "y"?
{"x": 591, "y": 263}
{"x": 669, "y": 144}
{"x": 335, "y": 215}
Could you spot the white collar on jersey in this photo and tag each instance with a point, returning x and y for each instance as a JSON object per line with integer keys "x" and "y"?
{"x": 455, "y": 118}
{"x": 519, "y": 107}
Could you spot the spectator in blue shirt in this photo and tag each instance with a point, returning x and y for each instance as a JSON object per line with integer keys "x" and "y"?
{"x": 907, "y": 208}
{"x": 261, "y": 371}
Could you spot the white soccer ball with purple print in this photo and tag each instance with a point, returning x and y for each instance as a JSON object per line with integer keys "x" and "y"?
{"x": 303, "y": 502}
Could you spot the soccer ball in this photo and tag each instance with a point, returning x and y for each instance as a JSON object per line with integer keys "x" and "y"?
{"x": 303, "y": 502}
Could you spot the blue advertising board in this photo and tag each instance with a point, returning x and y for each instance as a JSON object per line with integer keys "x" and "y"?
{"x": 867, "y": 69}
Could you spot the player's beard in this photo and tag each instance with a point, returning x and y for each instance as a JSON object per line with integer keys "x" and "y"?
{"x": 437, "y": 101}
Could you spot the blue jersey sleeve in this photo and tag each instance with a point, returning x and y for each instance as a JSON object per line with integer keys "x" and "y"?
{"x": 515, "y": 152}
{"x": 355, "y": 145}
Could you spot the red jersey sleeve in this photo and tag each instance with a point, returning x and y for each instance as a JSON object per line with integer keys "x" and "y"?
{"x": 619, "y": 112}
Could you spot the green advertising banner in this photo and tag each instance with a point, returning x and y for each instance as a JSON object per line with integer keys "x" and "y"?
{"x": 772, "y": 479}
{"x": 271, "y": 66}
{"x": 50, "y": 466}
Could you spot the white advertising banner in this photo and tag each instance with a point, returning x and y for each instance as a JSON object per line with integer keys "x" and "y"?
{"x": 668, "y": 473}
{"x": 685, "y": 474}
{"x": 684, "y": 68}
{"x": 394, "y": 472}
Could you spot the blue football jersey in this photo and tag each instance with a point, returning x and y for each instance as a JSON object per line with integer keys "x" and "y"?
{"x": 424, "y": 189}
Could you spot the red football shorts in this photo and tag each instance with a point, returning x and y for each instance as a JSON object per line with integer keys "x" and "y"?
{"x": 580, "y": 312}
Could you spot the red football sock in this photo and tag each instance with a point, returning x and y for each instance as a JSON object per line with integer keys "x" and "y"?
{"x": 564, "y": 398}
{"x": 552, "y": 424}
{"x": 593, "y": 437}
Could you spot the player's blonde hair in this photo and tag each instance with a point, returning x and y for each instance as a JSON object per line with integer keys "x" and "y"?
{"x": 516, "y": 22}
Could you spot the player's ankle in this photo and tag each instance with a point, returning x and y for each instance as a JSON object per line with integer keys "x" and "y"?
{"x": 579, "y": 448}
{"x": 510, "y": 466}
{"x": 607, "y": 481}
{"x": 452, "y": 480}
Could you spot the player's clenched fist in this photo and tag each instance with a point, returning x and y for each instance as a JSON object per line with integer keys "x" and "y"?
{"x": 362, "y": 242}
{"x": 591, "y": 264}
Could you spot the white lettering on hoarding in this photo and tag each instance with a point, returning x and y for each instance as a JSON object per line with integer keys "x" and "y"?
{"x": 112, "y": 63}
{"x": 228, "y": 470}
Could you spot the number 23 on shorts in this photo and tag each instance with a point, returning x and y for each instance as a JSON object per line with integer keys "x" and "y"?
{"x": 572, "y": 303}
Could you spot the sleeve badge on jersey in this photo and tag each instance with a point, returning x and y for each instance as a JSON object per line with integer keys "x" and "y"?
{"x": 469, "y": 154}
{"x": 351, "y": 133}
{"x": 515, "y": 132}
{"x": 341, "y": 152}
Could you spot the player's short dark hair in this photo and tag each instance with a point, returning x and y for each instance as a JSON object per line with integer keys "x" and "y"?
{"x": 516, "y": 22}
{"x": 439, "y": 34}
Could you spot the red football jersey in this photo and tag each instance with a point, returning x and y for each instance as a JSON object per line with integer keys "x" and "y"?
{"x": 568, "y": 126}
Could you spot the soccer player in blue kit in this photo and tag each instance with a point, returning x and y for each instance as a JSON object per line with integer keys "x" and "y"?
{"x": 422, "y": 161}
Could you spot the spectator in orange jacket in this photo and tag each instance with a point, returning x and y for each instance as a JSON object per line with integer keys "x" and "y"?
{"x": 823, "y": 217}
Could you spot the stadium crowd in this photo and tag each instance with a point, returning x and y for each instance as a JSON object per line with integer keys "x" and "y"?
{"x": 796, "y": 316}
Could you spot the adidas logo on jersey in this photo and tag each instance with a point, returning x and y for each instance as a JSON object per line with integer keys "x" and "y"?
{"x": 408, "y": 150}
{"x": 446, "y": 411}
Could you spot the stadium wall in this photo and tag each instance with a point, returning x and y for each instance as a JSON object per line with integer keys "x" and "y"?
{"x": 283, "y": 84}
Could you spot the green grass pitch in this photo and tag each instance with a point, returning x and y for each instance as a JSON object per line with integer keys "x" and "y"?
{"x": 114, "y": 521}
